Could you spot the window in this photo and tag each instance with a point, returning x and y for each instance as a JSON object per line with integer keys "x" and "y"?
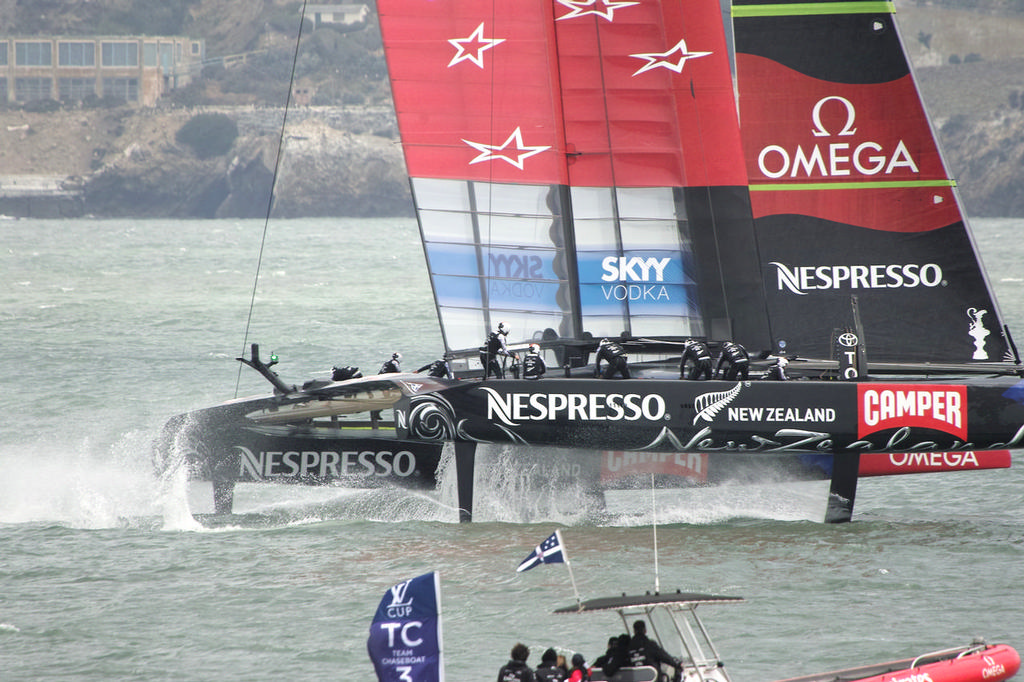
{"x": 3, "y": 91}
{"x": 76, "y": 54}
{"x": 149, "y": 52}
{"x": 122, "y": 88}
{"x": 33, "y": 54}
{"x": 76, "y": 89}
{"x": 166, "y": 55}
{"x": 195, "y": 49}
{"x": 120, "y": 54}
{"x": 29, "y": 89}
{"x": 3, "y": 53}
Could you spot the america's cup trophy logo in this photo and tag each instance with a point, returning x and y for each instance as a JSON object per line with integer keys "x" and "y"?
{"x": 978, "y": 331}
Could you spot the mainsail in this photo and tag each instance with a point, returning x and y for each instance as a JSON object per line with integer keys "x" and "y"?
{"x": 849, "y": 191}
{"x": 576, "y": 167}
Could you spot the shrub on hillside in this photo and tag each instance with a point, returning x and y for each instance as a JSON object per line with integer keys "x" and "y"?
{"x": 208, "y": 135}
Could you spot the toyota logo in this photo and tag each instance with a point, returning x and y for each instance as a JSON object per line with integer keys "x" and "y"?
{"x": 848, "y": 339}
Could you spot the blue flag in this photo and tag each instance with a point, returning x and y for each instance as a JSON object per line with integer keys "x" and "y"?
{"x": 405, "y": 635}
{"x": 551, "y": 551}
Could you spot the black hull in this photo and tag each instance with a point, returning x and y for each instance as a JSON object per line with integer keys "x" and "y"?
{"x": 765, "y": 417}
{"x": 222, "y": 445}
{"x": 607, "y": 434}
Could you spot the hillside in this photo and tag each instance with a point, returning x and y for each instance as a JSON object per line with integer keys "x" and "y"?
{"x": 341, "y": 156}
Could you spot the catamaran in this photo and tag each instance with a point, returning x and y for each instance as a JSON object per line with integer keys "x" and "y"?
{"x": 649, "y": 172}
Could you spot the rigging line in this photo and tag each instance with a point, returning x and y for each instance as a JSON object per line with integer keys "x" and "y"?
{"x": 273, "y": 188}
{"x": 487, "y": 272}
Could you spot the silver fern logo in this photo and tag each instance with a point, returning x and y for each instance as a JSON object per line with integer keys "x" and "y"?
{"x": 710, "y": 404}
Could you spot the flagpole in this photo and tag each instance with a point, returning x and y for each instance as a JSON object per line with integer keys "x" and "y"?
{"x": 568, "y": 564}
{"x": 654, "y": 530}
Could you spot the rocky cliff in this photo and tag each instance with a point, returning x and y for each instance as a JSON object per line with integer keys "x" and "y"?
{"x": 345, "y": 160}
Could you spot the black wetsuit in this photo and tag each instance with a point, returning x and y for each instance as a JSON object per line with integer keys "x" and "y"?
{"x": 516, "y": 671}
{"x": 735, "y": 361}
{"x": 390, "y": 367}
{"x": 489, "y": 353}
{"x": 698, "y": 357}
{"x": 549, "y": 673}
{"x": 645, "y": 651}
{"x": 533, "y": 366}
{"x": 615, "y": 356}
{"x": 438, "y": 368}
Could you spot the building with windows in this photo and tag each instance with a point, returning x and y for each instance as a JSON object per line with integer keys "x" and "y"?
{"x": 337, "y": 14}
{"x": 137, "y": 70}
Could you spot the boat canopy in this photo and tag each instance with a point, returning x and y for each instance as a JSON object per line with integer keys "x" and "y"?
{"x": 643, "y": 602}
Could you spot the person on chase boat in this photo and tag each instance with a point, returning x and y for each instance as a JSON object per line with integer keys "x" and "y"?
{"x": 615, "y": 355}
{"x": 734, "y": 364}
{"x": 548, "y": 670}
{"x": 492, "y": 348}
{"x": 646, "y": 651}
{"x": 516, "y": 669}
{"x": 697, "y": 357}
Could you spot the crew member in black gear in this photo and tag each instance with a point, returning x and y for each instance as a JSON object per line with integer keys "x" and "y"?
{"x": 777, "y": 372}
{"x": 345, "y": 373}
{"x": 393, "y": 365}
{"x": 697, "y": 357}
{"x": 548, "y": 670}
{"x": 533, "y": 364}
{"x": 735, "y": 361}
{"x": 492, "y": 348}
{"x": 615, "y": 356}
{"x": 516, "y": 669}
{"x": 438, "y": 368}
{"x": 645, "y": 651}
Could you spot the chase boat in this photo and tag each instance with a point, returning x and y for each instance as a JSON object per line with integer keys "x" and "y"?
{"x": 672, "y": 620}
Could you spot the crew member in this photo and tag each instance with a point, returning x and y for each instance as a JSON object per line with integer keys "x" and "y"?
{"x": 533, "y": 364}
{"x": 393, "y": 365}
{"x": 438, "y": 368}
{"x": 645, "y": 651}
{"x": 345, "y": 373}
{"x": 516, "y": 669}
{"x": 777, "y": 372}
{"x": 614, "y": 354}
{"x": 492, "y": 348}
{"x": 697, "y": 356}
{"x": 735, "y": 361}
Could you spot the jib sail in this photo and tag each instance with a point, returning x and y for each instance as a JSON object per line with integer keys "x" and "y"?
{"x": 849, "y": 192}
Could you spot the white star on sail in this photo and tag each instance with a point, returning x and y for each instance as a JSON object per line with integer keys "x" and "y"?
{"x": 477, "y": 44}
{"x": 490, "y": 152}
{"x": 604, "y": 8}
{"x": 665, "y": 60}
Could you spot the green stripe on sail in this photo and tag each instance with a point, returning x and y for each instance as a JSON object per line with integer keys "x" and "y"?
{"x": 881, "y": 184}
{"x": 813, "y": 8}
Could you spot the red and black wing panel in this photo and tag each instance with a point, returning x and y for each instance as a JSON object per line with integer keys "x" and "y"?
{"x": 849, "y": 192}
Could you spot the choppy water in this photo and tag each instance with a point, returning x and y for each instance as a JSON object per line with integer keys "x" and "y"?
{"x": 109, "y": 327}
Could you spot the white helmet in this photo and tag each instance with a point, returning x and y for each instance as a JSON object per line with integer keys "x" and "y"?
{"x": 534, "y": 348}
{"x": 397, "y": 357}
